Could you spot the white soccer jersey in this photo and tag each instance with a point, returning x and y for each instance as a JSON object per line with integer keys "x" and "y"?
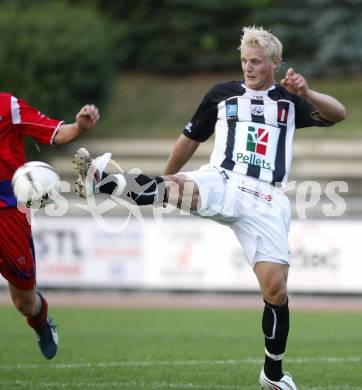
{"x": 253, "y": 129}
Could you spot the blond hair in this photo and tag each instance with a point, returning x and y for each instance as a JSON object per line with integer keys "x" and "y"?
{"x": 253, "y": 36}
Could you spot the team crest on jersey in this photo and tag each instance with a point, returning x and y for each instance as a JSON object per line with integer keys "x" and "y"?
{"x": 21, "y": 260}
{"x": 257, "y": 109}
{"x": 231, "y": 110}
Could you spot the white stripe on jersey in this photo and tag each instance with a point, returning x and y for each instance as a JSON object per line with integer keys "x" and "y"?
{"x": 289, "y": 140}
{"x": 15, "y": 111}
{"x": 270, "y": 116}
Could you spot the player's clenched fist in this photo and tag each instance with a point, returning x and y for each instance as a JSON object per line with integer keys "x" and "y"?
{"x": 295, "y": 83}
{"x": 87, "y": 117}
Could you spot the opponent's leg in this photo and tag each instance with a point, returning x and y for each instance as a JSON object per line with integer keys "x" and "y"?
{"x": 18, "y": 267}
{"x": 272, "y": 279}
{"x": 34, "y": 307}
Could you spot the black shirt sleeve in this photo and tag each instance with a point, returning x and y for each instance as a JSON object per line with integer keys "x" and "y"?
{"x": 202, "y": 124}
{"x": 306, "y": 115}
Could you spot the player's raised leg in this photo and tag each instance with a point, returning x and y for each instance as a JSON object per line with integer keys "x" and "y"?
{"x": 272, "y": 279}
{"x": 34, "y": 307}
{"x": 134, "y": 187}
{"x": 90, "y": 172}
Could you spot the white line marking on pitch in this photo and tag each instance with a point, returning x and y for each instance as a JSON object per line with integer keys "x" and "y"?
{"x": 149, "y": 385}
{"x": 151, "y": 363}
{"x": 118, "y": 385}
{"x": 342, "y": 387}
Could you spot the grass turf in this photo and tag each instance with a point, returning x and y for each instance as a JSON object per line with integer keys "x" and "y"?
{"x": 178, "y": 349}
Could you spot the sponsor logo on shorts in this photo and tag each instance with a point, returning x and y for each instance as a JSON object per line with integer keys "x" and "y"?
{"x": 258, "y": 194}
{"x": 224, "y": 175}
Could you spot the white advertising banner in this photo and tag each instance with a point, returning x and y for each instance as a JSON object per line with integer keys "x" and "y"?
{"x": 75, "y": 252}
{"x": 191, "y": 253}
{"x": 198, "y": 254}
{"x": 188, "y": 253}
{"x": 326, "y": 256}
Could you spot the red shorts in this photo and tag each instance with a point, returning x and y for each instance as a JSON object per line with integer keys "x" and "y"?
{"x": 17, "y": 257}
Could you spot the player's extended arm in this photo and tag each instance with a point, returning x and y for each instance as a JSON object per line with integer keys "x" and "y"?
{"x": 328, "y": 107}
{"x": 183, "y": 150}
{"x": 85, "y": 120}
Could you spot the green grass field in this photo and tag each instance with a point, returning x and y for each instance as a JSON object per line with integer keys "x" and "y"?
{"x": 177, "y": 349}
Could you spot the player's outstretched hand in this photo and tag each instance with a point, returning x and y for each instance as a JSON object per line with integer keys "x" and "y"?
{"x": 294, "y": 83}
{"x": 87, "y": 117}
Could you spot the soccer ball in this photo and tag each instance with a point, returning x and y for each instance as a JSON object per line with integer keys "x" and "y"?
{"x": 35, "y": 184}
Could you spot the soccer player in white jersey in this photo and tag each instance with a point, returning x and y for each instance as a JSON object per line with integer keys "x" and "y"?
{"x": 253, "y": 121}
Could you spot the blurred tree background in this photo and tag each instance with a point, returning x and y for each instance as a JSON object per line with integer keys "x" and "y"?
{"x": 55, "y": 56}
{"x": 147, "y": 63}
{"x": 183, "y": 36}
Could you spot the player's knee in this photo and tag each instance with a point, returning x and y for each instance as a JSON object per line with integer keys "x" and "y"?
{"x": 174, "y": 180}
{"x": 182, "y": 185}
{"x": 174, "y": 186}
{"x": 276, "y": 293}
